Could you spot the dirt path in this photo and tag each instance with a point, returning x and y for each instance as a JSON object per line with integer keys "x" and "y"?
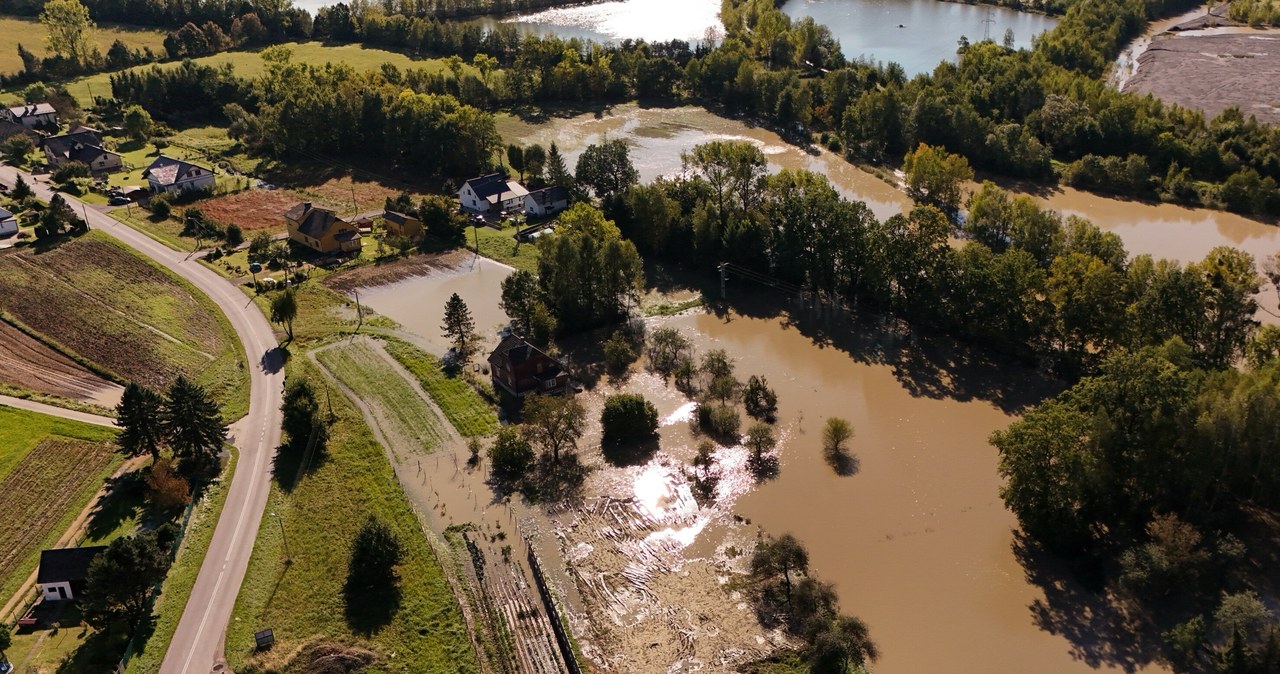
{"x": 68, "y": 539}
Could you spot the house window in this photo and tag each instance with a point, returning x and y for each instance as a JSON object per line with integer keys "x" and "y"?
{"x": 549, "y": 384}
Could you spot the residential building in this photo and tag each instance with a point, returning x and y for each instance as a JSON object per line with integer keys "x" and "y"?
{"x": 174, "y": 176}
{"x": 62, "y": 571}
{"x": 33, "y": 115}
{"x": 321, "y": 230}
{"x": 492, "y": 193}
{"x": 9, "y": 129}
{"x": 399, "y": 224}
{"x": 84, "y": 145}
{"x": 520, "y": 368}
{"x": 8, "y": 223}
{"x": 546, "y": 201}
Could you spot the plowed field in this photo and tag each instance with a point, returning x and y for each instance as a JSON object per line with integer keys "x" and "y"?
{"x": 37, "y": 498}
{"x": 27, "y": 363}
{"x": 100, "y": 301}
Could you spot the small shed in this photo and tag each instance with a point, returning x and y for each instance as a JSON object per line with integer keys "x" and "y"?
{"x": 62, "y": 571}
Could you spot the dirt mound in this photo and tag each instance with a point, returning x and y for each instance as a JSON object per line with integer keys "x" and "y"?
{"x": 334, "y": 659}
{"x": 1212, "y": 72}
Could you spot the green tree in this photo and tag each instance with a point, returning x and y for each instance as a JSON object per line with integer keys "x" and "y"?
{"x": 284, "y": 309}
{"x": 486, "y": 65}
{"x": 554, "y": 423}
{"x": 760, "y": 443}
{"x": 192, "y": 422}
{"x": 69, "y": 29}
{"x": 606, "y": 168}
{"x": 521, "y": 297}
{"x": 260, "y": 247}
{"x": 618, "y": 353}
{"x": 300, "y": 410}
{"x": 666, "y": 348}
{"x": 21, "y": 190}
{"x": 137, "y": 122}
{"x": 935, "y": 177}
{"x": 515, "y": 157}
{"x": 535, "y": 161}
{"x": 6, "y": 641}
{"x": 375, "y": 553}
{"x": 16, "y": 149}
{"x": 510, "y": 455}
{"x": 836, "y": 434}
{"x": 1230, "y": 304}
{"x": 458, "y": 326}
{"x": 234, "y": 235}
{"x": 557, "y": 171}
{"x": 589, "y": 274}
{"x": 628, "y": 417}
{"x": 139, "y": 415}
{"x": 119, "y": 581}
{"x": 779, "y": 560}
{"x": 841, "y": 645}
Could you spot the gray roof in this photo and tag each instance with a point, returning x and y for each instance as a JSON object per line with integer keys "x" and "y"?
{"x": 66, "y": 564}
{"x": 549, "y": 195}
{"x": 5, "y": 215}
{"x": 83, "y": 145}
{"x": 166, "y": 171}
{"x": 312, "y": 221}
{"x": 31, "y": 110}
{"x": 487, "y": 186}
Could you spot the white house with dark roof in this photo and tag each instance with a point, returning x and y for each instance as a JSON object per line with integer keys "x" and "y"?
{"x": 63, "y": 570}
{"x": 546, "y": 201}
{"x": 32, "y": 115}
{"x": 492, "y": 192}
{"x": 173, "y": 176}
{"x": 84, "y": 145}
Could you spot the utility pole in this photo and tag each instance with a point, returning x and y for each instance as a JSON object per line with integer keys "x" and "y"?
{"x": 288, "y": 558}
{"x": 986, "y": 35}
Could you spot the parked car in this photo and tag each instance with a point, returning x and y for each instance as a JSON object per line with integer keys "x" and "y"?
{"x": 117, "y": 200}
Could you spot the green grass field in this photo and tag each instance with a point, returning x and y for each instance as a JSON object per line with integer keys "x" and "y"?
{"x": 499, "y": 245}
{"x": 466, "y": 410}
{"x": 30, "y": 34}
{"x": 405, "y": 418}
{"x": 303, "y": 602}
{"x": 248, "y": 64}
{"x": 98, "y": 300}
{"x": 49, "y": 469}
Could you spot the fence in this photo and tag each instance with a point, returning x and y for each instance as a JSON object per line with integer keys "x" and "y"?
{"x": 553, "y": 612}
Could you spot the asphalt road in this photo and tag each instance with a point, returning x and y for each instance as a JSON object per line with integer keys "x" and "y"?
{"x": 198, "y": 644}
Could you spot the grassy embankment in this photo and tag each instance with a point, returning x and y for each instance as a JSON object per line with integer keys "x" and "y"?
{"x": 49, "y": 470}
{"x": 320, "y": 508}
{"x": 465, "y": 409}
{"x": 31, "y": 34}
{"x": 99, "y": 302}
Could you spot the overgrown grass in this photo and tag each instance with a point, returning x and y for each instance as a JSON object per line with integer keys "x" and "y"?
{"x": 501, "y": 246}
{"x": 182, "y": 575}
{"x": 303, "y": 601}
{"x": 31, "y": 34}
{"x": 465, "y": 409}
{"x": 400, "y": 410}
{"x": 167, "y": 231}
{"x": 249, "y": 64}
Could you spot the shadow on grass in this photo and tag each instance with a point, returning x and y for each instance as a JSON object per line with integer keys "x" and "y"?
{"x": 371, "y": 606}
{"x": 125, "y": 499}
{"x": 291, "y": 463}
{"x": 101, "y": 651}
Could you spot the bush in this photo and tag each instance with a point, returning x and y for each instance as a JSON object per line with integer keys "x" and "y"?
{"x": 234, "y": 236}
{"x": 166, "y": 489}
{"x": 160, "y": 207}
{"x": 618, "y": 353}
{"x": 70, "y": 171}
{"x": 510, "y": 455}
{"x": 628, "y": 417}
{"x": 719, "y": 420}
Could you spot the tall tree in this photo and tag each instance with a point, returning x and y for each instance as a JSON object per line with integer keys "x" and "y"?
{"x": 139, "y": 415}
{"x": 301, "y": 412}
{"x": 284, "y": 309}
{"x": 515, "y": 157}
{"x": 193, "y": 422}
{"x": 557, "y": 170}
{"x": 779, "y": 559}
{"x": 119, "y": 580}
{"x": 521, "y": 297}
{"x": 936, "y": 177}
{"x": 554, "y": 423}
{"x": 458, "y": 326}
{"x": 69, "y": 29}
{"x": 137, "y": 122}
{"x": 587, "y": 271}
{"x": 606, "y": 168}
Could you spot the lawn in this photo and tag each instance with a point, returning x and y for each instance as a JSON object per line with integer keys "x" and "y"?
{"x": 466, "y": 410}
{"x": 31, "y": 35}
{"x": 402, "y": 414}
{"x": 501, "y": 245}
{"x": 49, "y": 469}
{"x": 167, "y": 231}
{"x": 97, "y": 301}
{"x": 420, "y": 630}
{"x": 248, "y": 64}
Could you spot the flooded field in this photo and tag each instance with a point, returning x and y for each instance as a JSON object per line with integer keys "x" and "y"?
{"x": 917, "y": 542}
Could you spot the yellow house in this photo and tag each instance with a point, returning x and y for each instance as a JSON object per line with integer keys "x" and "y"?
{"x": 321, "y": 230}
{"x": 399, "y": 224}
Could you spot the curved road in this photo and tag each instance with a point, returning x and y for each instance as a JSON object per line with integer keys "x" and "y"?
{"x": 198, "y": 644}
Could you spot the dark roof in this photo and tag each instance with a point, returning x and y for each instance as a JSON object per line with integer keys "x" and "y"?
{"x": 31, "y": 110}
{"x": 76, "y": 146}
{"x": 312, "y": 221}
{"x": 9, "y": 129}
{"x": 549, "y": 195}
{"x": 517, "y": 351}
{"x": 66, "y": 564}
{"x": 487, "y": 186}
{"x": 5, "y": 214}
{"x": 169, "y": 171}
{"x": 399, "y": 218}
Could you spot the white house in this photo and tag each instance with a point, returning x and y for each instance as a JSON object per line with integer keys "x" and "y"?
{"x": 546, "y": 201}
{"x": 62, "y": 571}
{"x": 32, "y": 115}
{"x": 493, "y": 191}
{"x": 167, "y": 174}
{"x": 8, "y": 223}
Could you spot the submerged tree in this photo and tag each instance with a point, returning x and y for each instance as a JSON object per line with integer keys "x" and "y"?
{"x": 554, "y": 423}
